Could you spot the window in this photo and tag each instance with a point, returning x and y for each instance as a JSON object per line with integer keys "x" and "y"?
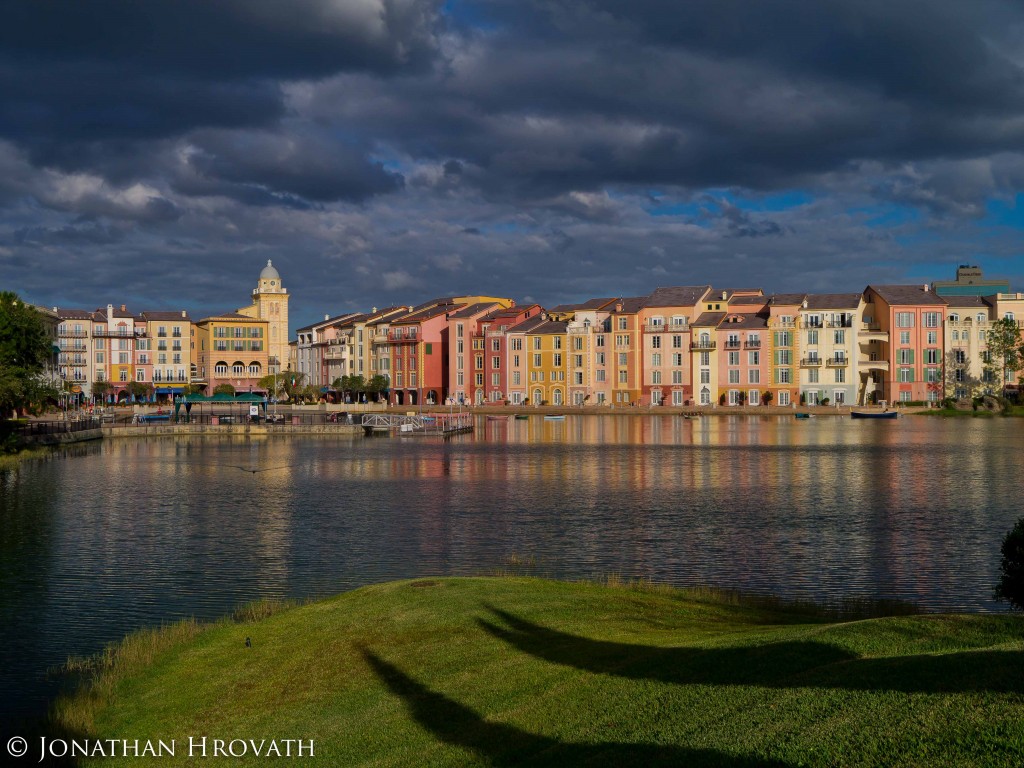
{"x": 536, "y": 361}
{"x": 931, "y": 319}
{"x": 754, "y": 358}
{"x": 705, "y": 376}
{"x": 705, "y": 358}
{"x": 536, "y": 342}
{"x": 577, "y": 342}
{"x": 656, "y": 359}
{"x": 557, "y": 340}
{"x": 933, "y": 337}
{"x": 479, "y": 360}
{"x": 783, "y": 339}
{"x": 495, "y": 345}
{"x": 677, "y": 397}
{"x": 840, "y": 337}
{"x": 785, "y": 377}
{"x": 516, "y": 344}
{"x": 656, "y": 377}
{"x": 577, "y": 361}
{"x": 140, "y": 375}
{"x": 812, "y": 337}
{"x": 905, "y": 396}
{"x": 495, "y": 362}
{"x": 783, "y": 357}
{"x": 479, "y": 378}
{"x": 754, "y": 397}
{"x": 904, "y": 319}
{"x": 812, "y": 376}
{"x": 623, "y": 357}
{"x": 784, "y": 397}
{"x": 254, "y": 369}
{"x": 734, "y": 376}
{"x": 238, "y": 369}
{"x": 677, "y": 342}
{"x": 905, "y": 357}
{"x": 677, "y": 377}
{"x": 623, "y": 324}
{"x": 906, "y": 375}
{"x": 516, "y": 378}
{"x": 840, "y": 375}
{"x": 221, "y": 369}
{"x": 599, "y": 341}
{"x": 931, "y": 375}
{"x": 622, "y": 377}
{"x": 495, "y": 379}
{"x": 753, "y": 376}
{"x": 600, "y": 377}
{"x": 677, "y": 359}
{"x": 655, "y": 342}
{"x": 600, "y": 358}
{"x": 622, "y": 340}
{"x": 577, "y": 378}
{"x": 123, "y": 375}
{"x": 931, "y": 357}
{"x": 461, "y": 378}
{"x": 558, "y": 360}
{"x": 814, "y": 321}
{"x": 734, "y": 358}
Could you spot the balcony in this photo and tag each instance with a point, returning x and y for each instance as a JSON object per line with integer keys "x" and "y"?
{"x": 812, "y": 324}
{"x": 654, "y": 327}
{"x": 872, "y": 333}
{"x": 840, "y": 324}
{"x": 69, "y": 334}
{"x": 873, "y": 364}
{"x": 810, "y": 362}
{"x": 732, "y": 344}
{"x": 696, "y": 346}
{"x": 336, "y": 353}
{"x": 752, "y": 344}
{"x": 837, "y": 362}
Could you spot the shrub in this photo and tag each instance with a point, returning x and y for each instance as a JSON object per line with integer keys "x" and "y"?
{"x": 1011, "y": 568}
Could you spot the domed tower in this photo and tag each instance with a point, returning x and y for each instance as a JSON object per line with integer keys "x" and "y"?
{"x": 270, "y": 303}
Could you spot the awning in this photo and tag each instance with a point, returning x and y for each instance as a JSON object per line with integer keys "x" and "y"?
{"x": 169, "y": 390}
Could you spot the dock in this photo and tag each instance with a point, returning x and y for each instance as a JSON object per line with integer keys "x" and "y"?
{"x": 443, "y": 424}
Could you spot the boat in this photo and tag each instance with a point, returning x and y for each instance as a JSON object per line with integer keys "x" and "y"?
{"x": 803, "y": 415}
{"x": 555, "y": 417}
{"x": 521, "y": 417}
{"x": 497, "y": 418}
{"x": 878, "y": 415}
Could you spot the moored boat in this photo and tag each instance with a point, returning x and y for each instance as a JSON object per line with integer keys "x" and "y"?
{"x": 876, "y": 415}
{"x": 521, "y": 417}
{"x": 555, "y": 417}
{"x": 803, "y": 415}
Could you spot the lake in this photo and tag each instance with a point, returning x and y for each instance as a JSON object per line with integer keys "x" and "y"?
{"x": 134, "y": 532}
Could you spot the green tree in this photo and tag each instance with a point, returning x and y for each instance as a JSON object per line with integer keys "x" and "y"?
{"x": 25, "y": 349}
{"x": 293, "y": 383}
{"x": 377, "y": 385}
{"x": 140, "y": 390}
{"x": 100, "y": 389}
{"x": 224, "y": 389}
{"x": 1011, "y": 568}
{"x": 273, "y": 384}
{"x": 1004, "y": 350}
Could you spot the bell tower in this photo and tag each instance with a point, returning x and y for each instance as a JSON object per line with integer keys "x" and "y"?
{"x": 270, "y": 303}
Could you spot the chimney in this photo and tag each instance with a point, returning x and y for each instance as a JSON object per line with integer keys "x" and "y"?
{"x": 618, "y": 307}
{"x": 926, "y": 287}
{"x": 723, "y": 295}
{"x": 327, "y": 317}
{"x": 124, "y": 308}
{"x": 184, "y": 313}
{"x": 110, "y": 312}
{"x": 374, "y": 311}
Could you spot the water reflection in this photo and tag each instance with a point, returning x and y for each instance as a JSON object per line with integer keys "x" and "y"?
{"x": 136, "y": 532}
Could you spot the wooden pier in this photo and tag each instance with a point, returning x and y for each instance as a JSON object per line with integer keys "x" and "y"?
{"x": 444, "y": 424}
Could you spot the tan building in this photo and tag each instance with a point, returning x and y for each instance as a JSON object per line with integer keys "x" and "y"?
{"x": 232, "y": 349}
{"x": 270, "y": 303}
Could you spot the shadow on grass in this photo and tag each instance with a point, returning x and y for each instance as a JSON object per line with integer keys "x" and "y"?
{"x": 504, "y": 745}
{"x": 796, "y": 664}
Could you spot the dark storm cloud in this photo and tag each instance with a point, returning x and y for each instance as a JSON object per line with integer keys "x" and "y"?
{"x": 405, "y": 148}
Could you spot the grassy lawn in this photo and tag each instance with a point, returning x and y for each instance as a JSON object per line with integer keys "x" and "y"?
{"x": 516, "y": 671}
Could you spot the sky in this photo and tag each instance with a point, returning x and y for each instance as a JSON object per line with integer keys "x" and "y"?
{"x": 383, "y": 152}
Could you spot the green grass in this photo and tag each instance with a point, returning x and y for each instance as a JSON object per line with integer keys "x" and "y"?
{"x": 518, "y": 671}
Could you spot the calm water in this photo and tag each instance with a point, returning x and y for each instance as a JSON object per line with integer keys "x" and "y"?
{"x": 136, "y": 532}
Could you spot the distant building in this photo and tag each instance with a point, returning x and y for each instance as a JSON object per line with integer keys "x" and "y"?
{"x": 270, "y": 303}
{"x": 969, "y": 282}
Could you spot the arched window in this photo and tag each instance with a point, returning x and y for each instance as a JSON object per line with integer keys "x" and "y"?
{"x": 538, "y": 396}
{"x": 238, "y": 368}
{"x": 221, "y": 368}
{"x": 1008, "y": 316}
{"x": 954, "y": 317}
{"x": 557, "y": 397}
{"x": 254, "y": 369}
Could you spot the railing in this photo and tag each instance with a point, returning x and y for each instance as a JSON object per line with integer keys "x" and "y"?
{"x": 840, "y": 324}
{"x": 702, "y": 345}
{"x": 811, "y": 362}
{"x": 73, "y": 334}
{"x": 752, "y": 344}
{"x": 837, "y": 362}
{"x": 74, "y": 423}
{"x": 731, "y": 344}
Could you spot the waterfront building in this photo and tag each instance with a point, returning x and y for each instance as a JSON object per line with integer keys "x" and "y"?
{"x": 627, "y": 350}
{"x": 467, "y": 361}
{"x": 666, "y": 377}
{"x": 969, "y": 282}
{"x": 270, "y": 304}
{"x": 545, "y": 350}
{"x": 76, "y": 359}
{"x": 519, "y": 359}
{"x": 587, "y": 328}
{"x": 418, "y": 346}
{"x": 785, "y": 351}
{"x": 966, "y": 359}
{"x": 903, "y": 325}
{"x": 830, "y": 354}
{"x": 744, "y": 368}
{"x": 318, "y": 349}
{"x": 494, "y": 327}
{"x": 231, "y": 349}
{"x": 164, "y": 353}
{"x": 704, "y": 354}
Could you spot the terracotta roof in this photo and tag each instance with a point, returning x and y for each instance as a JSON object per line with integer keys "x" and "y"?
{"x": 234, "y": 316}
{"x": 748, "y": 301}
{"x": 165, "y": 316}
{"x": 74, "y": 314}
{"x": 427, "y": 314}
{"x": 677, "y": 296}
{"x": 550, "y": 326}
{"x": 787, "y": 298}
{"x": 747, "y": 322}
{"x": 709, "y": 318}
{"x": 979, "y": 302}
{"x": 630, "y": 305}
{"x": 833, "y": 300}
{"x": 472, "y": 309}
{"x": 528, "y": 324}
{"x": 906, "y": 294}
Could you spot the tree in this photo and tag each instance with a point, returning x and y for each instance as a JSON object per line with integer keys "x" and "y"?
{"x": 293, "y": 383}
{"x": 767, "y": 397}
{"x": 273, "y": 384}
{"x": 1011, "y": 568}
{"x": 957, "y": 376}
{"x": 376, "y": 385}
{"x": 25, "y": 350}
{"x": 100, "y": 389}
{"x": 140, "y": 390}
{"x": 1004, "y": 349}
{"x": 224, "y": 389}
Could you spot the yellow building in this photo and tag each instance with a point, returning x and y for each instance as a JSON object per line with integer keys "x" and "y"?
{"x": 270, "y": 303}
{"x": 546, "y": 354}
{"x": 165, "y": 351}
